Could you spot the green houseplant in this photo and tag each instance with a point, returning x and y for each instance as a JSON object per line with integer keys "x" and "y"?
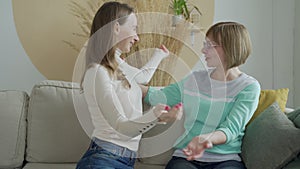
{"x": 182, "y": 8}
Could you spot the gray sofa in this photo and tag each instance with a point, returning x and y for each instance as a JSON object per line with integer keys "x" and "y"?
{"x": 42, "y": 131}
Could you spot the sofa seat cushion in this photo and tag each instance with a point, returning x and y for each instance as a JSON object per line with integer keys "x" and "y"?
{"x": 12, "y": 128}
{"x": 49, "y": 166}
{"x": 54, "y": 132}
{"x": 271, "y": 140}
{"x": 139, "y": 165}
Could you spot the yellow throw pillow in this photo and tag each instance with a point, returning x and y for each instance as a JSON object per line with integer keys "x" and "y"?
{"x": 267, "y": 97}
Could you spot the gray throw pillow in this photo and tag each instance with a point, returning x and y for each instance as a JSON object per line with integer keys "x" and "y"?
{"x": 271, "y": 140}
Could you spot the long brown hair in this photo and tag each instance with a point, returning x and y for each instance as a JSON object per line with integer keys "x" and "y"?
{"x": 101, "y": 49}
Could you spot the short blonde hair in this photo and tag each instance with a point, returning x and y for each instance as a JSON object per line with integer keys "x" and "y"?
{"x": 235, "y": 41}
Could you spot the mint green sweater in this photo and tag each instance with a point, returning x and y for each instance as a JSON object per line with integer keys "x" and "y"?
{"x": 211, "y": 105}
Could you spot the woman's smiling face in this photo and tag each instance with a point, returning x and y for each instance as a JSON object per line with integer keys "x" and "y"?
{"x": 126, "y": 35}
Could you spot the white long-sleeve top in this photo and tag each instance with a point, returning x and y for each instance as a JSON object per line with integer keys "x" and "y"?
{"x": 144, "y": 74}
{"x": 116, "y": 112}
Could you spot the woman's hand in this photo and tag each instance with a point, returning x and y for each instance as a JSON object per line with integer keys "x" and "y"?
{"x": 169, "y": 114}
{"x": 196, "y": 147}
{"x": 163, "y": 48}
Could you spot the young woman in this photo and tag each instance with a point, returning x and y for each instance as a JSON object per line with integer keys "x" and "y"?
{"x": 218, "y": 102}
{"x": 110, "y": 87}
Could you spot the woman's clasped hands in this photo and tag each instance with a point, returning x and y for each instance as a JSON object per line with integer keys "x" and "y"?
{"x": 166, "y": 114}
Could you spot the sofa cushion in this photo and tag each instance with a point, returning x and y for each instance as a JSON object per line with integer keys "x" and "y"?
{"x": 271, "y": 140}
{"x": 295, "y": 164}
{"x": 267, "y": 97}
{"x": 294, "y": 116}
{"x": 139, "y": 165}
{"x": 54, "y": 132}
{"x": 50, "y": 166}
{"x": 12, "y": 128}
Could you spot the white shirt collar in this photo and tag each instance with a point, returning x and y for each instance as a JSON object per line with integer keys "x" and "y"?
{"x": 118, "y": 53}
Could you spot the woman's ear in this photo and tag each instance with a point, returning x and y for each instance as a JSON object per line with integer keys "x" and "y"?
{"x": 117, "y": 28}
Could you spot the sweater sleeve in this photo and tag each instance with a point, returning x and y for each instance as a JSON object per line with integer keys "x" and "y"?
{"x": 243, "y": 109}
{"x": 169, "y": 95}
{"x": 144, "y": 74}
{"x": 100, "y": 92}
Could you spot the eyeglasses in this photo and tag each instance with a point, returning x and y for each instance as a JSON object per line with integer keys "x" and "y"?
{"x": 208, "y": 45}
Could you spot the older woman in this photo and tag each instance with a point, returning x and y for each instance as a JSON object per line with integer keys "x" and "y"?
{"x": 218, "y": 102}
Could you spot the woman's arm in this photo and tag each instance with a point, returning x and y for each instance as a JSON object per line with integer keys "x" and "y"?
{"x": 231, "y": 128}
{"x": 169, "y": 95}
{"x": 99, "y": 91}
{"x": 144, "y": 74}
{"x": 242, "y": 111}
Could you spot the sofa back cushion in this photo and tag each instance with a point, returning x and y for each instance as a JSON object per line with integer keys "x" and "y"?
{"x": 12, "y": 128}
{"x": 267, "y": 97}
{"x": 271, "y": 140}
{"x": 54, "y": 132}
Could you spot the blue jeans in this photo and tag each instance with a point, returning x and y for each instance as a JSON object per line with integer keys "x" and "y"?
{"x": 179, "y": 163}
{"x": 106, "y": 155}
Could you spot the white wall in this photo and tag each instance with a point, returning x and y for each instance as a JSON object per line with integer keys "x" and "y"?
{"x": 16, "y": 70}
{"x": 297, "y": 55}
{"x": 271, "y": 26}
{"x": 270, "y": 23}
